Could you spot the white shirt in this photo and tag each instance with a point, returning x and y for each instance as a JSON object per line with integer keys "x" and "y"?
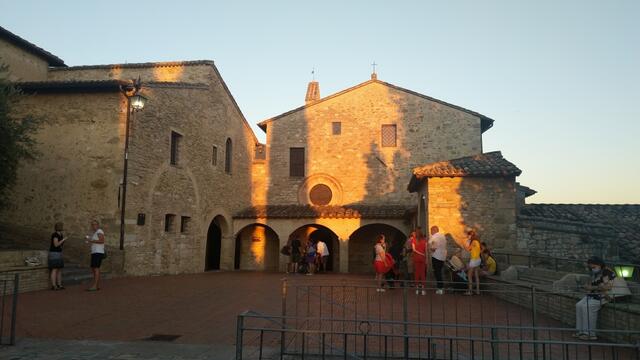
{"x": 380, "y": 253}
{"x": 439, "y": 243}
{"x": 97, "y": 248}
{"x": 322, "y": 248}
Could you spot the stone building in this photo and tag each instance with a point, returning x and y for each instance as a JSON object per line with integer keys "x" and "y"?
{"x": 203, "y": 193}
{"x": 189, "y": 168}
{"x": 338, "y": 168}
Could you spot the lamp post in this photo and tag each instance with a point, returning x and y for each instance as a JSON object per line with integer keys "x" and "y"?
{"x": 135, "y": 102}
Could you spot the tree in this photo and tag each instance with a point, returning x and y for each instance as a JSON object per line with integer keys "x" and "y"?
{"x": 16, "y": 136}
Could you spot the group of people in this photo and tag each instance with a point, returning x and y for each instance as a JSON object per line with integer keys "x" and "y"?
{"x": 56, "y": 260}
{"x": 414, "y": 255}
{"x": 309, "y": 259}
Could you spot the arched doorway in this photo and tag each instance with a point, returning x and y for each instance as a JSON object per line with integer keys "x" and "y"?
{"x": 214, "y": 244}
{"x": 316, "y": 232}
{"x": 361, "y": 244}
{"x": 257, "y": 248}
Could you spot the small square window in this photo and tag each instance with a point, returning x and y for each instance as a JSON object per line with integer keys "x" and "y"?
{"x": 176, "y": 139}
{"x": 389, "y": 135}
{"x": 169, "y": 223}
{"x": 336, "y": 128}
{"x": 185, "y": 224}
{"x": 214, "y": 156}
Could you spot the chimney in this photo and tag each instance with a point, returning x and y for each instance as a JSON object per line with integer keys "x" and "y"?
{"x": 313, "y": 92}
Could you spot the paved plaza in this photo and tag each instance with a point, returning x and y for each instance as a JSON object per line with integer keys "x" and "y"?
{"x": 200, "y": 312}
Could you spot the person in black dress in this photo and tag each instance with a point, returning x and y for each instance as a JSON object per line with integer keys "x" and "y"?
{"x": 56, "y": 263}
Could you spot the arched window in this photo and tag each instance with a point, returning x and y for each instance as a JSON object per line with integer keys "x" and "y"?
{"x": 228, "y": 155}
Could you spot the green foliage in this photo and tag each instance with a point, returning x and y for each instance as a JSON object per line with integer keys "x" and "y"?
{"x": 16, "y": 141}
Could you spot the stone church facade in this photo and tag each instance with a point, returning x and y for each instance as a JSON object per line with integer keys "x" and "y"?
{"x": 204, "y": 194}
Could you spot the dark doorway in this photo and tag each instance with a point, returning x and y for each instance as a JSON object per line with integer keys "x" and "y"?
{"x": 214, "y": 243}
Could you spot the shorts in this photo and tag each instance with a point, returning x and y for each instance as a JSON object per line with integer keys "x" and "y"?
{"x": 96, "y": 260}
{"x": 474, "y": 263}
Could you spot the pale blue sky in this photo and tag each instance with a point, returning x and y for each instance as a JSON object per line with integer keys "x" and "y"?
{"x": 561, "y": 78}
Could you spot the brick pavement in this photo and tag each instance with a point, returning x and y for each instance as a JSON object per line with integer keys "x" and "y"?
{"x": 202, "y": 309}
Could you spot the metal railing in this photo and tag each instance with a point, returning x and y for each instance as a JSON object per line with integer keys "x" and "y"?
{"x": 498, "y": 305}
{"x": 269, "y": 337}
{"x": 9, "y": 309}
{"x": 557, "y": 263}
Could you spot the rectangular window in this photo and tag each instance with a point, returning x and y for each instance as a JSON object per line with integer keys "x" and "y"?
{"x": 185, "y": 224}
{"x": 169, "y": 223}
{"x": 214, "y": 156}
{"x": 296, "y": 162}
{"x": 389, "y": 135}
{"x": 336, "y": 128}
{"x": 176, "y": 139}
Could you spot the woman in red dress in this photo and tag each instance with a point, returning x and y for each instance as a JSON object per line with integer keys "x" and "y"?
{"x": 382, "y": 263}
{"x": 419, "y": 247}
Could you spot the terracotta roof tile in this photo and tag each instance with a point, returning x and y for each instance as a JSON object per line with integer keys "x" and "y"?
{"x": 487, "y": 164}
{"x": 71, "y": 86}
{"x": 307, "y": 211}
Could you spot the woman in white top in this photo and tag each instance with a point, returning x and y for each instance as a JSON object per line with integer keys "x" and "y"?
{"x": 97, "y": 253}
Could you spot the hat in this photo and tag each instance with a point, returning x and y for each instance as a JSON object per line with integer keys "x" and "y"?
{"x": 594, "y": 260}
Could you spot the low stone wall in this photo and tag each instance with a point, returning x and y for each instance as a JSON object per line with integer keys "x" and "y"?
{"x": 565, "y": 239}
{"x": 624, "y": 315}
{"x": 32, "y": 278}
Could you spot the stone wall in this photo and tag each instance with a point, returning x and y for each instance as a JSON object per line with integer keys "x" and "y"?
{"x": 354, "y": 164}
{"x": 184, "y": 71}
{"x": 77, "y": 175}
{"x": 565, "y": 239}
{"x": 485, "y": 204}
{"x": 23, "y": 65}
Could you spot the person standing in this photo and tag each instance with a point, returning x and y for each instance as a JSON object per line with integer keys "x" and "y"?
{"x": 382, "y": 262}
{"x": 294, "y": 255}
{"x": 310, "y": 257}
{"x": 407, "y": 266}
{"x": 473, "y": 268}
{"x": 97, "y": 253}
{"x": 419, "y": 248}
{"x": 587, "y": 308}
{"x": 323, "y": 255}
{"x": 438, "y": 246}
{"x": 56, "y": 262}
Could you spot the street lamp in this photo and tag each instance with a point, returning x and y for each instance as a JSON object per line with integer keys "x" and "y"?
{"x": 624, "y": 271}
{"x": 135, "y": 102}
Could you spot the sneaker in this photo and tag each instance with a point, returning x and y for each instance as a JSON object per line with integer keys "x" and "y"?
{"x": 417, "y": 291}
{"x": 467, "y": 293}
{"x": 577, "y": 335}
{"x": 424, "y": 292}
{"x": 439, "y": 292}
{"x": 587, "y": 337}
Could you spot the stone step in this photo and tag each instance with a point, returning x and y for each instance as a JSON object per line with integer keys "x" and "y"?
{"x": 74, "y": 274}
{"x": 536, "y": 279}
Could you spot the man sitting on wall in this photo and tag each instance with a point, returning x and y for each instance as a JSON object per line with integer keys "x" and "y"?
{"x": 587, "y": 308}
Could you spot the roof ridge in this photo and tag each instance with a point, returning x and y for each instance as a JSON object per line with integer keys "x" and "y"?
{"x": 488, "y": 122}
{"x": 138, "y": 65}
{"x": 31, "y": 47}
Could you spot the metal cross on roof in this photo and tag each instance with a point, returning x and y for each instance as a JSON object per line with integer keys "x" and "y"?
{"x": 374, "y": 67}
{"x": 313, "y": 74}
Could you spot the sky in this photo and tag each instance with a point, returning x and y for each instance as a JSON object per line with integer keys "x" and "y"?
{"x": 561, "y": 79}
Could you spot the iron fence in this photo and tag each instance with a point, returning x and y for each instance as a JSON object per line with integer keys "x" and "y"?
{"x": 8, "y": 309}
{"x": 269, "y": 337}
{"x": 497, "y": 305}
